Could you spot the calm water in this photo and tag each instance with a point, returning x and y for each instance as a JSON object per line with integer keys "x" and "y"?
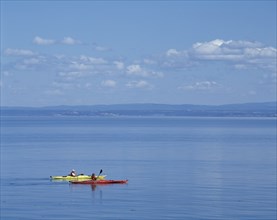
{"x": 178, "y": 168}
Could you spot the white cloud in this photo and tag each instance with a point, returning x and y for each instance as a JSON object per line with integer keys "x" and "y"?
{"x": 216, "y": 50}
{"x": 260, "y": 52}
{"x": 109, "y": 83}
{"x": 71, "y": 76}
{"x": 32, "y": 61}
{"x": 92, "y": 60}
{"x": 101, "y": 48}
{"x": 242, "y": 43}
{"x": 240, "y": 66}
{"x": 66, "y": 40}
{"x": 70, "y": 68}
{"x": 240, "y": 54}
{"x": 119, "y": 65}
{"x": 149, "y": 61}
{"x": 42, "y": 41}
{"x": 175, "y": 59}
{"x": 137, "y": 70}
{"x": 62, "y": 85}
{"x": 70, "y": 41}
{"x": 79, "y": 66}
{"x": 204, "y": 85}
{"x": 19, "y": 52}
{"x": 173, "y": 52}
{"x": 134, "y": 69}
{"x": 235, "y": 51}
{"x": 141, "y": 84}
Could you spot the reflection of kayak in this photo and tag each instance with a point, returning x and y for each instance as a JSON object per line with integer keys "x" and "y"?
{"x": 94, "y": 182}
{"x": 79, "y": 177}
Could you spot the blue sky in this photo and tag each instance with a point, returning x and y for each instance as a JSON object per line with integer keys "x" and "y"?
{"x": 116, "y": 52}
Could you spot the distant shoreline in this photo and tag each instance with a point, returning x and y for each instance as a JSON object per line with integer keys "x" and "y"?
{"x": 266, "y": 109}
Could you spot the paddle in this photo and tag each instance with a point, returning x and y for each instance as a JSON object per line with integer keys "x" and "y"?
{"x": 99, "y": 174}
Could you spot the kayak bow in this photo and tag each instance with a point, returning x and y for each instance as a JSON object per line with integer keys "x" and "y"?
{"x": 79, "y": 177}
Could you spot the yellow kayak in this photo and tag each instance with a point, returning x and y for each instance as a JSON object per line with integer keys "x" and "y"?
{"x": 79, "y": 177}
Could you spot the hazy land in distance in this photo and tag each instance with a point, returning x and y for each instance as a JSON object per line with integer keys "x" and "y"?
{"x": 266, "y": 109}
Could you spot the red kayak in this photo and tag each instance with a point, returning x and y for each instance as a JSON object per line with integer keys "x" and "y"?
{"x": 94, "y": 182}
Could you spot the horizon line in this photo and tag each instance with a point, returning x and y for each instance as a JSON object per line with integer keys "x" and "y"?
{"x": 147, "y": 103}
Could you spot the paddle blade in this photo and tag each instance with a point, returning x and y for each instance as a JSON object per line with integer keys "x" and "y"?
{"x": 99, "y": 174}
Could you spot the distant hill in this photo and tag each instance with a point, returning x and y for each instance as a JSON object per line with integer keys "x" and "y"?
{"x": 266, "y": 109}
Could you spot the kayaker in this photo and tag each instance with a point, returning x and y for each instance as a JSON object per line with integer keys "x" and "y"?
{"x": 93, "y": 177}
{"x": 73, "y": 173}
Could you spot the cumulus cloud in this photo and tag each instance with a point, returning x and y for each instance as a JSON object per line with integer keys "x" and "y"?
{"x": 216, "y": 50}
{"x": 134, "y": 69}
{"x": 175, "y": 59}
{"x": 43, "y": 41}
{"x": 241, "y": 54}
{"x": 92, "y": 60}
{"x": 149, "y": 62}
{"x": 203, "y": 85}
{"x": 173, "y": 52}
{"x": 242, "y": 43}
{"x": 260, "y": 52}
{"x": 137, "y": 70}
{"x": 78, "y": 66}
{"x": 66, "y": 40}
{"x": 101, "y": 48}
{"x": 108, "y": 83}
{"x": 19, "y": 52}
{"x": 31, "y": 63}
{"x": 119, "y": 65}
{"x": 62, "y": 85}
{"x": 70, "y": 41}
{"x": 71, "y": 75}
{"x": 237, "y": 52}
{"x": 87, "y": 65}
{"x": 141, "y": 84}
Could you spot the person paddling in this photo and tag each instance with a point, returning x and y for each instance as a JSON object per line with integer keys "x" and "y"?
{"x": 73, "y": 173}
{"x": 93, "y": 177}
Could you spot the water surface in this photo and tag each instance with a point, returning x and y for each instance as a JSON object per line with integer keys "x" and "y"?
{"x": 177, "y": 167}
